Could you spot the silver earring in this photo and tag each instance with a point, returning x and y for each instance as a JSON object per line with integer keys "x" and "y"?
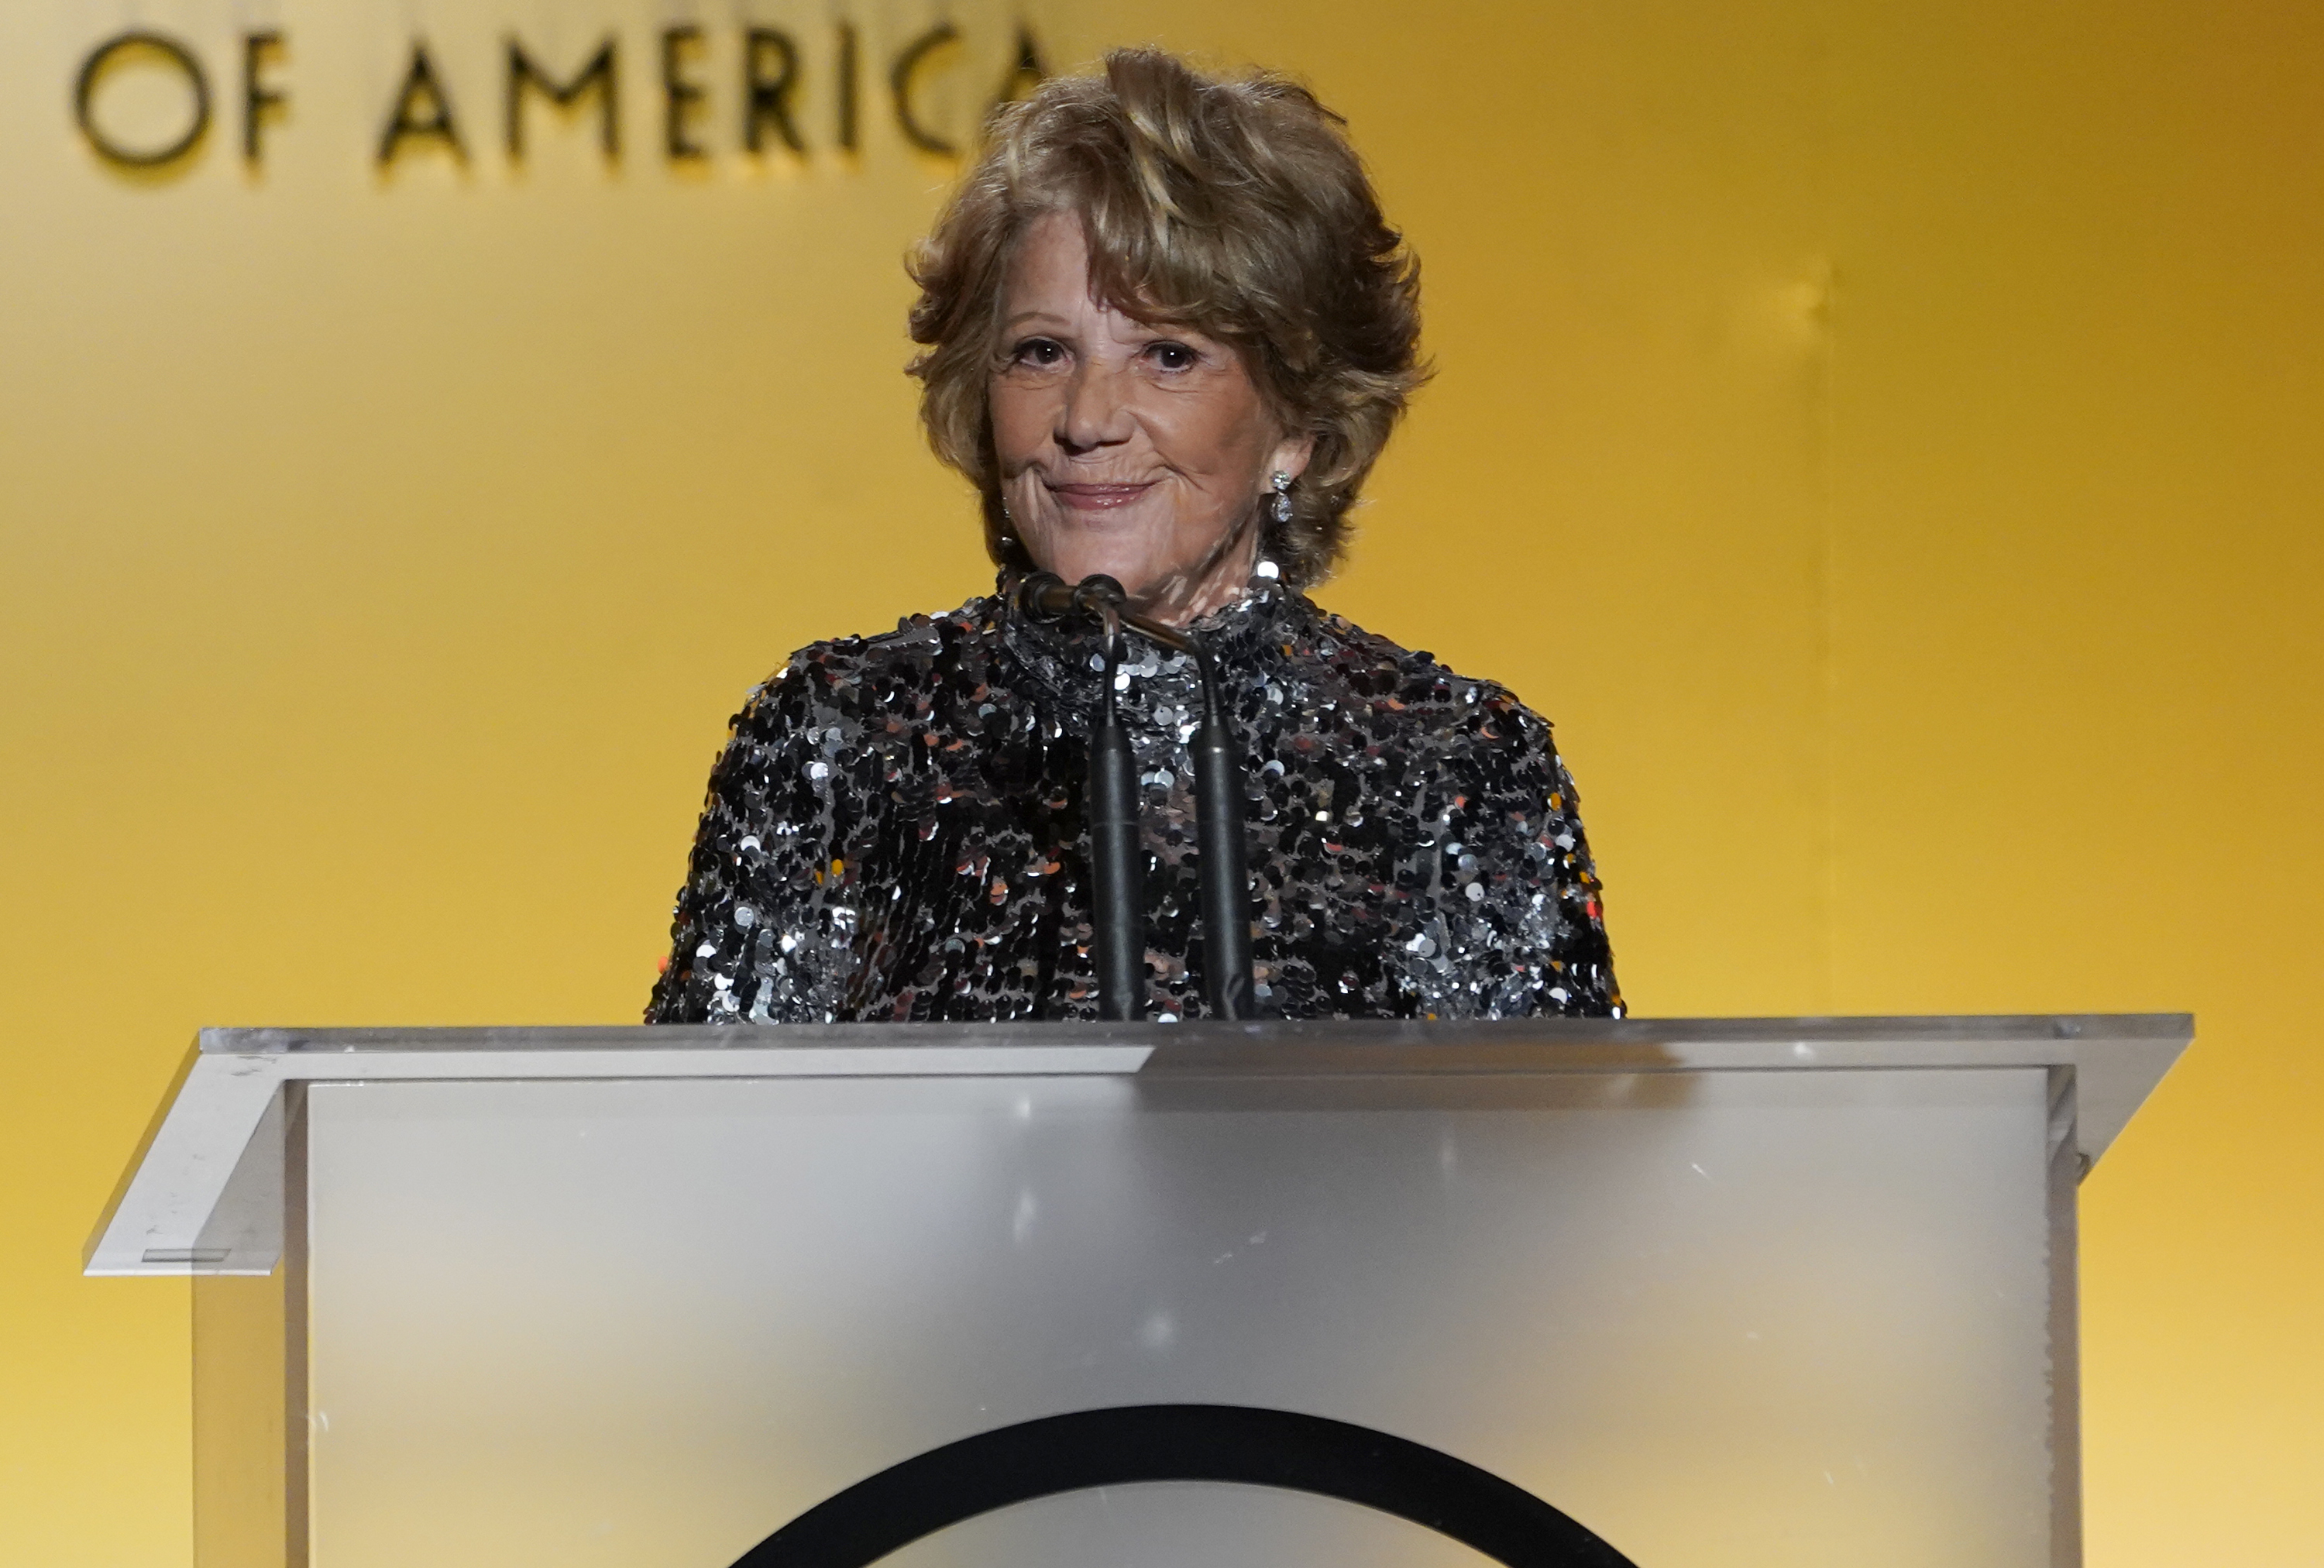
{"x": 1281, "y": 505}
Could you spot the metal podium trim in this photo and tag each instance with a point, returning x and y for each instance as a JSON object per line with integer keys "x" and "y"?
{"x": 203, "y": 1193}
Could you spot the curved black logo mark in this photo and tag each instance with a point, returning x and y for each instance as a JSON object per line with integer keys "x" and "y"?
{"x": 1150, "y": 1443}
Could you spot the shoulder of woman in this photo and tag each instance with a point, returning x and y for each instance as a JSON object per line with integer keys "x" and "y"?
{"x": 842, "y": 677}
{"x": 1416, "y": 682}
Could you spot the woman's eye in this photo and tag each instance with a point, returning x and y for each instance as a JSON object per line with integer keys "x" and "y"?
{"x": 1173, "y": 355}
{"x": 1038, "y": 351}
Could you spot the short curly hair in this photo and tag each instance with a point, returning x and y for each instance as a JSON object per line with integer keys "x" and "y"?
{"x": 1234, "y": 207}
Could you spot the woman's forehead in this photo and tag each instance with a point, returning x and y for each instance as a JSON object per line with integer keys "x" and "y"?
{"x": 1052, "y": 274}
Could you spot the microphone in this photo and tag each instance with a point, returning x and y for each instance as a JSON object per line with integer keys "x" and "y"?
{"x": 1046, "y": 596}
{"x": 1117, "y": 912}
{"x": 1219, "y": 839}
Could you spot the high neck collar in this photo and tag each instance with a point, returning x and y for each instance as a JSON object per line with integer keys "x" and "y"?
{"x": 1249, "y": 637}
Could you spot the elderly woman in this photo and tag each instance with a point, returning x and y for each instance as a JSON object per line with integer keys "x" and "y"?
{"x": 1166, "y": 332}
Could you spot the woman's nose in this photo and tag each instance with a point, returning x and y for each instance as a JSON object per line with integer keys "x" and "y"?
{"x": 1095, "y": 413}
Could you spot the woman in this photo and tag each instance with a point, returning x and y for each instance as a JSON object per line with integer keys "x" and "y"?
{"x": 1166, "y": 332}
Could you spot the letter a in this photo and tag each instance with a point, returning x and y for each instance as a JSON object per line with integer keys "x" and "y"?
{"x": 422, "y": 109}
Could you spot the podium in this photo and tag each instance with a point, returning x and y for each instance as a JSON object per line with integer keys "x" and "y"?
{"x": 1720, "y": 1293}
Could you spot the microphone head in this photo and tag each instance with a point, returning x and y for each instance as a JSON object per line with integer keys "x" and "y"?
{"x": 1097, "y": 593}
{"x": 1043, "y": 596}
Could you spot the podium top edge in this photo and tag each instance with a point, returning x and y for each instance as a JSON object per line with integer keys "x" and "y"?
{"x": 210, "y": 1135}
{"x": 1207, "y": 1035}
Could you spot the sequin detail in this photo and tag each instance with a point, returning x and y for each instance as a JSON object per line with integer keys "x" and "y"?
{"x": 895, "y": 832}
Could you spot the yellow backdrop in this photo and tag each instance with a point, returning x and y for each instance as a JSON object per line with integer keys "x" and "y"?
{"x": 1883, "y": 437}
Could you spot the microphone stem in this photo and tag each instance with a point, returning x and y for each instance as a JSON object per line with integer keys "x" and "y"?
{"x": 1219, "y": 834}
{"x": 1118, "y": 893}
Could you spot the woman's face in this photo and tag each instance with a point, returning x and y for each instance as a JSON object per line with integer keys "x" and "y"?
{"x": 1141, "y": 452}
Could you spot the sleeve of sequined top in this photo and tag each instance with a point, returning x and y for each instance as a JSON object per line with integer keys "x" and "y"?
{"x": 1525, "y": 907}
{"x": 764, "y": 930}
{"x": 1583, "y": 953}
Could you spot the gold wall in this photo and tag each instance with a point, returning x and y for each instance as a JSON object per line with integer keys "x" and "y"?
{"x": 1883, "y": 437}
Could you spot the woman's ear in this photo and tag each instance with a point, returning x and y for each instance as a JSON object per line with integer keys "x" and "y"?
{"x": 1292, "y": 455}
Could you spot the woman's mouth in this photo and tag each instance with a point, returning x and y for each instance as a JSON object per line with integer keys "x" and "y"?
{"x": 1098, "y": 497}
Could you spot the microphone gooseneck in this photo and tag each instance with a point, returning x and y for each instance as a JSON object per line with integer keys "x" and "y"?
{"x": 1218, "y": 838}
{"x": 1118, "y": 892}
{"x": 1117, "y": 900}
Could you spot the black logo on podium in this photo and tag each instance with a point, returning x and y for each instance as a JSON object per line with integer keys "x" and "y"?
{"x": 1163, "y": 1442}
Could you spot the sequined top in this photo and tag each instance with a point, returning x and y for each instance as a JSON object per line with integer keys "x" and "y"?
{"x": 895, "y": 832}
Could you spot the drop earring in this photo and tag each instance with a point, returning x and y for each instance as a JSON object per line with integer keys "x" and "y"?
{"x": 1281, "y": 507}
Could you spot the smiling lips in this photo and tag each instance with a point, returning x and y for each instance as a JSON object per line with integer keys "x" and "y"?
{"x": 1098, "y": 497}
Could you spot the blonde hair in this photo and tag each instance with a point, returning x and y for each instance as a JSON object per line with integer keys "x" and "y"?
{"x": 1235, "y": 208}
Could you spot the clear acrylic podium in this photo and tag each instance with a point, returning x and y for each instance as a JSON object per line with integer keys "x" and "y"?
{"x": 1727, "y": 1293}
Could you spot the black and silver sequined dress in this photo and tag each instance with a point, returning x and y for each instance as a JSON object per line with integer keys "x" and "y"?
{"x": 895, "y": 832}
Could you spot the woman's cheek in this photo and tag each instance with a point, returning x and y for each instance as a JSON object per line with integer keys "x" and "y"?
{"x": 1016, "y": 425}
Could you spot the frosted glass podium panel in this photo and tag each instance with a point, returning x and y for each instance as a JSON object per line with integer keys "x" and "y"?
{"x": 1725, "y": 1294}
